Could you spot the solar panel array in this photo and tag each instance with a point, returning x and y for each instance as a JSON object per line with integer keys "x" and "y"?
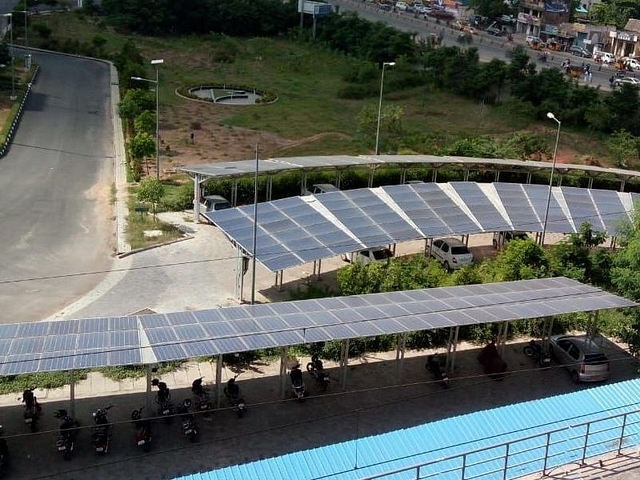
{"x": 100, "y": 342}
{"x": 275, "y": 165}
{"x": 296, "y": 230}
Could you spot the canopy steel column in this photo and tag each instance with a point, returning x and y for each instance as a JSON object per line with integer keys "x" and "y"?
{"x": 466, "y": 174}
{"x": 218, "y": 381}
{"x": 283, "y": 371}
{"x": 72, "y": 394}
{"x": 372, "y": 172}
{"x": 148, "y": 396}
{"x": 303, "y": 183}
{"x": 401, "y": 342}
{"x": 344, "y": 363}
{"x": 338, "y": 179}
{"x": 197, "y": 195}
{"x": 269, "y": 188}
{"x": 241, "y": 268}
{"x": 623, "y": 182}
{"x": 497, "y": 176}
{"x": 234, "y": 193}
{"x": 316, "y": 271}
{"x": 529, "y": 177}
{"x": 434, "y": 175}
{"x": 452, "y": 348}
{"x": 403, "y": 176}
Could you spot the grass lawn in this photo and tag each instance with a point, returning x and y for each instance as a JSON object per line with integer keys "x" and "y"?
{"x": 308, "y": 117}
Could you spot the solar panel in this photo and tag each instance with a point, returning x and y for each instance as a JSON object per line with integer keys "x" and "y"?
{"x": 581, "y": 207}
{"x": 482, "y": 207}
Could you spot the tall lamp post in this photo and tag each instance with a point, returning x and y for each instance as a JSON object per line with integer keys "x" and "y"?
{"x": 553, "y": 168}
{"x": 157, "y": 83}
{"x": 26, "y": 29}
{"x": 13, "y": 76}
{"x": 384, "y": 64}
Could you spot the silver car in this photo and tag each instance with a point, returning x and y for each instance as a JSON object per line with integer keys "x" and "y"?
{"x": 581, "y": 356}
{"x": 451, "y": 253}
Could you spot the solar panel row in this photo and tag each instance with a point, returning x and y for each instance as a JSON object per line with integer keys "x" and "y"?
{"x": 298, "y": 230}
{"x": 91, "y": 343}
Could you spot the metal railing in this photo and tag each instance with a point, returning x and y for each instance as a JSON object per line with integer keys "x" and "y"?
{"x": 539, "y": 453}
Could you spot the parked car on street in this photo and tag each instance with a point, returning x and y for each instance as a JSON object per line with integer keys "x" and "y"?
{"x": 495, "y": 31}
{"x": 604, "y": 57}
{"x": 618, "y": 82}
{"x": 451, "y": 253}
{"x": 384, "y": 6}
{"x": 403, "y": 7}
{"x": 579, "y": 51}
{"x": 500, "y": 239}
{"x": 581, "y": 356}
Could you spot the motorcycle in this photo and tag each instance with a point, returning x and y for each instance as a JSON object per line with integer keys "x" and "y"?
{"x": 32, "y": 409}
{"x": 297, "y": 383}
{"x": 201, "y": 396}
{"x": 68, "y": 432}
{"x": 189, "y": 427}
{"x": 536, "y": 351}
{"x": 143, "y": 429}
{"x": 232, "y": 392}
{"x": 433, "y": 365}
{"x": 163, "y": 399}
{"x": 316, "y": 370}
{"x": 102, "y": 430}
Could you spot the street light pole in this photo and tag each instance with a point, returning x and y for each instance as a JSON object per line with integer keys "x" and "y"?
{"x": 384, "y": 64}
{"x": 157, "y": 83}
{"x": 553, "y": 168}
{"x": 157, "y": 63}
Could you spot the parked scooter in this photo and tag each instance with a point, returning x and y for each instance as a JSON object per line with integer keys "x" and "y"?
{"x": 32, "y": 409}
{"x": 143, "y": 429}
{"x": 102, "y": 430}
{"x": 201, "y": 396}
{"x": 433, "y": 365}
{"x": 316, "y": 370}
{"x": 297, "y": 383}
{"x": 189, "y": 427}
{"x": 163, "y": 399}
{"x": 537, "y": 352}
{"x": 232, "y": 392}
{"x": 69, "y": 428}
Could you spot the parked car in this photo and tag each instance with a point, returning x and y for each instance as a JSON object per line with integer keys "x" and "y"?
{"x": 618, "y": 82}
{"x": 533, "y": 40}
{"x": 321, "y": 188}
{"x": 581, "y": 356}
{"x": 451, "y": 253}
{"x": 604, "y": 57}
{"x": 441, "y": 14}
{"x": 210, "y": 203}
{"x": 422, "y": 9}
{"x": 495, "y": 31}
{"x": 369, "y": 255}
{"x": 500, "y": 239}
{"x": 385, "y": 7}
{"x": 403, "y": 7}
{"x": 579, "y": 51}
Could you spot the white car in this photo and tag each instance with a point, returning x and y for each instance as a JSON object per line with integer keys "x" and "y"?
{"x": 451, "y": 253}
{"x": 618, "y": 82}
{"x": 605, "y": 57}
{"x": 402, "y": 6}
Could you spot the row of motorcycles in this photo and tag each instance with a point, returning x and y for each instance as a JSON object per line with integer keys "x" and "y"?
{"x": 102, "y": 429}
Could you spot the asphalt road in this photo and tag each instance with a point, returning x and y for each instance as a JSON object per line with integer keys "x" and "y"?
{"x": 54, "y": 190}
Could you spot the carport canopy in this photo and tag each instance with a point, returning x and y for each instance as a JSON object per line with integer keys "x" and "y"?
{"x": 148, "y": 339}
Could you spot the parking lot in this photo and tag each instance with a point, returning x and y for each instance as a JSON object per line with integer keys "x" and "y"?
{"x": 376, "y": 401}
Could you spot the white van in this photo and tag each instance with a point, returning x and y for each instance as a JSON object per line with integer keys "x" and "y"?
{"x": 369, "y": 255}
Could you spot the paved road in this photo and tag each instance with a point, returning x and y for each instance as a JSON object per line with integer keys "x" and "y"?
{"x": 54, "y": 190}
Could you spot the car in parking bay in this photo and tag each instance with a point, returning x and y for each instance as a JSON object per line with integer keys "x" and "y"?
{"x": 451, "y": 253}
{"x": 618, "y": 82}
{"x": 500, "y": 239}
{"x": 582, "y": 356}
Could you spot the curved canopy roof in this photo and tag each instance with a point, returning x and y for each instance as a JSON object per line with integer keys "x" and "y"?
{"x": 276, "y": 165}
{"x": 297, "y": 230}
{"x": 148, "y": 339}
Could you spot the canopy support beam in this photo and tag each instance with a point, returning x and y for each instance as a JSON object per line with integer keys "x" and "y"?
{"x": 401, "y": 342}
{"x": 344, "y": 363}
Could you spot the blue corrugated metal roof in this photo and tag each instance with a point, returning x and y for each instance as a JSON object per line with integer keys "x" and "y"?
{"x": 471, "y": 432}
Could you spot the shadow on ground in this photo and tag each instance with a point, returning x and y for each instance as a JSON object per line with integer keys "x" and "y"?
{"x": 377, "y": 400}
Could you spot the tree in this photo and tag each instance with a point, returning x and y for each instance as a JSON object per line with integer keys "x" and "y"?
{"x": 390, "y": 125}
{"x": 574, "y": 257}
{"x": 520, "y": 260}
{"x": 624, "y": 149}
{"x": 145, "y": 123}
{"x": 151, "y": 190}
{"x": 491, "y": 8}
{"x": 141, "y": 146}
{"x": 135, "y": 102}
